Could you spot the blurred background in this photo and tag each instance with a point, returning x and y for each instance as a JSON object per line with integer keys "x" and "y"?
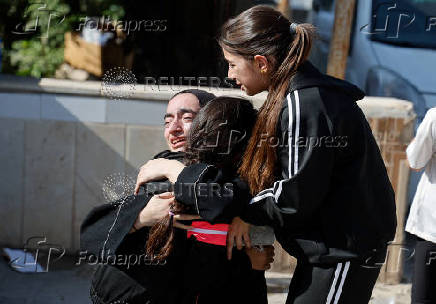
{"x": 177, "y": 38}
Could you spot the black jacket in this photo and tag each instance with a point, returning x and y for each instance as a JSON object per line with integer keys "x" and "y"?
{"x": 332, "y": 199}
{"x": 210, "y": 278}
{"x": 217, "y": 195}
{"x": 125, "y": 273}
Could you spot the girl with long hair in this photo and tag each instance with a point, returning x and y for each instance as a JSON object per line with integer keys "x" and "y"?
{"x": 218, "y": 137}
{"x": 312, "y": 164}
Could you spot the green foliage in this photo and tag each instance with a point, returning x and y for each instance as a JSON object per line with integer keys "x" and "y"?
{"x": 33, "y": 58}
{"x": 36, "y": 38}
{"x": 40, "y": 55}
{"x": 115, "y": 12}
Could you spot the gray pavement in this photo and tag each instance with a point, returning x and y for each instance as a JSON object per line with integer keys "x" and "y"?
{"x": 64, "y": 283}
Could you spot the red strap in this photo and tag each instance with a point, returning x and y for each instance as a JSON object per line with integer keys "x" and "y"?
{"x": 208, "y": 233}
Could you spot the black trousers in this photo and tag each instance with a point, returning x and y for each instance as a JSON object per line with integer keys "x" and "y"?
{"x": 348, "y": 282}
{"x": 424, "y": 276}
{"x": 209, "y": 278}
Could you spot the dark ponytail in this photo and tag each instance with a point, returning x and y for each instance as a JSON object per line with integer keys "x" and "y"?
{"x": 261, "y": 30}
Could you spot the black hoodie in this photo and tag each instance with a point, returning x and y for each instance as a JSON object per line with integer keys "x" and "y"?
{"x": 332, "y": 199}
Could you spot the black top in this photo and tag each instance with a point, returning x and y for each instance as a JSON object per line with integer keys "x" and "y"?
{"x": 332, "y": 199}
{"x": 125, "y": 274}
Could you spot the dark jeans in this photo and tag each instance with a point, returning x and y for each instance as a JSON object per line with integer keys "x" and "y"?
{"x": 210, "y": 278}
{"x": 424, "y": 276}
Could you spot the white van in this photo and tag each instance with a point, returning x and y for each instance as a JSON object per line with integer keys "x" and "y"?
{"x": 392, "y": 49}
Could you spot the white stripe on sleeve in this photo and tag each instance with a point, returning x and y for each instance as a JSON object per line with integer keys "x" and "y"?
{"x": 297, "y": 129}
{"x": 290, "y": 120}
{"x": 261, "y": 197}
{"x": 291, "y": 139}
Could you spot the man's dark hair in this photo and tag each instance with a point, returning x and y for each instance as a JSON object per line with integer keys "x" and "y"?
{"x": 220, "y": 132}
{"x": 202, "y": 96}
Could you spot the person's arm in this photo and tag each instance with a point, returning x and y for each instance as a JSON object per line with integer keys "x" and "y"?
{"x": 421, "y": 149}
{"x": 158, "y": 169}
{"x": 306, "y": 174}
{"x": 207, "y": 190}
{"x": 105, "y": 227}
{"x": 307, "y": 161}
{"x": 261, "y": 259}
{"x": 211, "y": 193}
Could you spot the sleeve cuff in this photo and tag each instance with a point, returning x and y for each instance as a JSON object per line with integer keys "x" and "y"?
{"x": 185, "y": 186}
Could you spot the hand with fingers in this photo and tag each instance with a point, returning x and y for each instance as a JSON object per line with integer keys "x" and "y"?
{"x": 261, "y": 257}
{"x": 238, "y": 233}
{"x": 157, "y": 169}
{"x": 157, "y": 208}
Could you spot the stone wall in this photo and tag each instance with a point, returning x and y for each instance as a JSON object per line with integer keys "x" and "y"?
{"x": 60, "y": 140}
{"x": 53, "y": 171}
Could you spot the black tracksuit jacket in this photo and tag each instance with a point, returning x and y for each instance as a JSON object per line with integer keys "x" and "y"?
{"x": 332, "y": 199}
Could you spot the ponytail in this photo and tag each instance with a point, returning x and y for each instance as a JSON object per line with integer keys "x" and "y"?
{"x": 262, "y": 30}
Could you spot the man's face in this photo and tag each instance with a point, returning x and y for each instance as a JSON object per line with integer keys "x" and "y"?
{"x": 181, "y": 111}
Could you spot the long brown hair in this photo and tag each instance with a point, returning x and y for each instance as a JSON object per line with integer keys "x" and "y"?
{"x": 261, "y": 30}
{"x": 218, "y": 136}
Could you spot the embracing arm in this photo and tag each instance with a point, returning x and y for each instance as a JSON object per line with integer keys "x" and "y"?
{"x": 306, "y": 162}
{"x": 211, "y": 193}
{"x": 307, "y": 170}
{"x": 105, "y": 227}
